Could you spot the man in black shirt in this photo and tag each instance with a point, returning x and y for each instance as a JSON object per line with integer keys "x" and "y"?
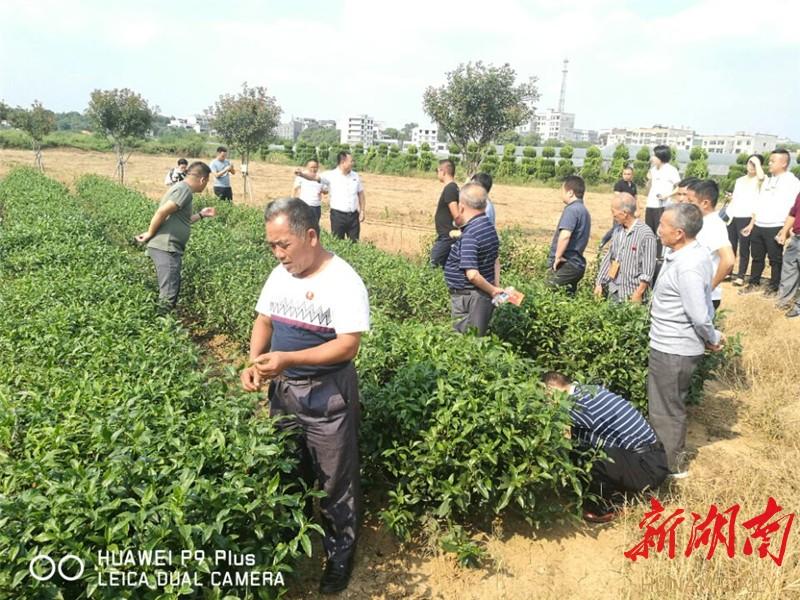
{"x": 446, "y": 212}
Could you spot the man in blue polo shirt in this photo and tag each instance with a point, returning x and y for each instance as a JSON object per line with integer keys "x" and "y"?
{"x": 566, "y": 262}
{"x": 635, "y": 459}
{"x": 472, "y": 270}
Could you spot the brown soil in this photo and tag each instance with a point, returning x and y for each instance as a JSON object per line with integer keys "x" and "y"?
{"x": 745, "y": 434}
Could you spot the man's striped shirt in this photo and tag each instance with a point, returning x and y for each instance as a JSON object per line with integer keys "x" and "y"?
{"x": 635, "y": 249}
{"x": 477, "y": 248}
{"x": 601, "y": 418}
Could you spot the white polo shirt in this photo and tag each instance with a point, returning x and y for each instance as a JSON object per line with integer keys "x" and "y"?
{"x": 343, "y": 189}
{"x": 713, "y": 236}
{"x": 309, "y": 190}
{"x": 776, "y": 199}
{"x": 662, "y": 182}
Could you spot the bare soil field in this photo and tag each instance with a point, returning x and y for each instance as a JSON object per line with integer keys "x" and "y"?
{"x": 746, "y": 435}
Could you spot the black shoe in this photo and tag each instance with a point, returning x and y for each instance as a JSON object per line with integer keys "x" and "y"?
{"x": 770, "y": 293}
{"x": 749, "y": 289}
{"x": 795, "y": 312}
{"x": 336, "y": 576}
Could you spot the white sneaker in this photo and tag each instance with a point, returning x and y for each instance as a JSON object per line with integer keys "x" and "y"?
{"x": 679, "y": 475}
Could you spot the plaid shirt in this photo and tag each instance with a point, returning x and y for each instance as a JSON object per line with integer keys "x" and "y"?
{"x": 635, "y": 249}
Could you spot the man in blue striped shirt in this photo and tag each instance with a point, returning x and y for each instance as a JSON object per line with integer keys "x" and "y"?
{"x": 472, "y": 270}
{"x": 635, "y": 459}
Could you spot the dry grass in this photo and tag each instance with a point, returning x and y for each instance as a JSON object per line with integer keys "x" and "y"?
{"x": 745, "y": 434}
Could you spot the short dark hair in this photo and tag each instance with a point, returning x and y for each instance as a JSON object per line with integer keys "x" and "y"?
{"x": 183, "y": 161}
{"x": 221, "y": 149}
{"x": 707, "y": 189}
{"x": 687, "y": 217}
{"x": 484, "y": 180}
{"x": 662, "y": 153}
{"x": 341, "y": 156}
{"x": 785, "y": 152}
{"x": 312, "y": 159}
{"x": 687, "y": 182}
{"x": 576, "y": 185}
{"x": 301, "y": 217}
{"x": 448, "y": 166}
{"x": 758, "y": 156}
{"x": 200, "y": 167}
{"x": 555, "y": 377}
{"x": 627, "y": 168}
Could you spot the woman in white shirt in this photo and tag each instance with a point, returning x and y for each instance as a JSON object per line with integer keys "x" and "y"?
{"x": 310, "y": 191}
{"x": 740, "y": 211}
{"x": 663, "y": 178}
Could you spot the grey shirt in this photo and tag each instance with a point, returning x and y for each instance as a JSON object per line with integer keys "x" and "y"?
{"x": 681, "y": 315}
{"x": 173, "y": 234}
{"x": 217, "y": 166}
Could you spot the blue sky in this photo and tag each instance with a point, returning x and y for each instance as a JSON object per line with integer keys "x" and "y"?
{"x": 717, "y": 66}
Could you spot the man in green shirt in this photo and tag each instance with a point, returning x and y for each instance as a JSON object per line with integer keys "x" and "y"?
{"x": 169, "y": 230}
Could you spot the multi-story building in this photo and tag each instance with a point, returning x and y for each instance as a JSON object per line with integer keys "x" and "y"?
{"x": 421, "y": 135}
{"x": 554, "y": 125}
{"x": 681, "y": 138}
{"x": 289, "y": 131}
{"x": 585, "y": 135}
{"x": 357, "y": 129}
{"x": 749, "y": 143}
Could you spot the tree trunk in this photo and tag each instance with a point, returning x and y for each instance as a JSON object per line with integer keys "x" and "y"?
{"x": 248, "y": 187}
{"x": 120, "y": 162}
{"x": 37, "y": 155}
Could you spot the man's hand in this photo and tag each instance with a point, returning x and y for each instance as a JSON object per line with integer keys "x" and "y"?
{"x": 781, "y": 237}
{"x": 298, "y": 171}
{"x": 362, "y": 214}
{"x": 231, "y": 169}
{"x": 251, "y": 379}
{"x": 557, "y": 263}
{"x": 143, "y": 238}
{"x": 598, "y": 291}
{"x": 747, "y": 230}
{"x": 717, "y": 347}
{"x": 208, "y": 212}
{"x": 636, "y": 297}
{"x": 271, "y": 364}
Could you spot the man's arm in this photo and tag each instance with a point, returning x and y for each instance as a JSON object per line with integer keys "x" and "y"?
{"x": 726, "y": 260}
{"x": 602, "y": 274}
{"x": 475, "y": 278}
{"x": 260, "y": 339}
{"x": 453, "y": 207}
{"x": 341, "y": 349}
{"x": 647, "y": 267}
{"x": 784, "y": 233}
{"x": 222, "y": 172}
{"x": 296, "y": 191}
{"x": 693, "y": 300}
{"x": 561, "y": 247}
{"x": 362, "y": 206}
{"x": 161, "y": 214}
{"x": 304, "y": 175}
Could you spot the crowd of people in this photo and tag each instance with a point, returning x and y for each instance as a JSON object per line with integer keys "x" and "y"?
{"x": 314, "y": 307}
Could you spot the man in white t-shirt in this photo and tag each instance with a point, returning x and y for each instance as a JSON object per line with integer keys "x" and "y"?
{"x": 775, "y": 199}
{"x": 308, "y": 190}
{"x": 346, "y": 197}
{"x": 713, "y": 235}
{"x": 662, "y": 178}
{"x": 311, "y": 314}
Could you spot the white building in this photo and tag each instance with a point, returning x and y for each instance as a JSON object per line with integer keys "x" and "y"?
{"x": 554, "y": 125}
{"x": 749, "y": 143}
{"x": 357, "y": 129}
{"x": 289, "y": 131}
{"x": 682, "y": 138}
{"x": 585, "y": 135}
{"x": 420, "y": 135}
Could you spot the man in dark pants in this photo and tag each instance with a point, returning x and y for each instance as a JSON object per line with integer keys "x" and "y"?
{"x": 681, "y": 328}
{"x": 775, "y": 199}
{"x": 636, "y": 461}
{"x": 566, "y": 262}
{"x": 170, "y": 228}
{"x": 346, "y": 197}
{"x": 446, "y": 212}
{"x": 311, "y": 314}
{"x": 222, "y": 169}
{"x": 472, "y": 270}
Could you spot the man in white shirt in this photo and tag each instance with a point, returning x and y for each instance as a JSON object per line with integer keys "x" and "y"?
{"x": 662, "y": 178}
{"x": 740, "y": 211}
{"x": 310, "y": 191}
{"x": 346, "y": 194}
{"x": 777, "y": 195}
{"x": 713, "y": 236}
{"x": 311, "y": 314}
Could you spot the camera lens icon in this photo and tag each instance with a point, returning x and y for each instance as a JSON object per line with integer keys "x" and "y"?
{"x": 53, "y": 567}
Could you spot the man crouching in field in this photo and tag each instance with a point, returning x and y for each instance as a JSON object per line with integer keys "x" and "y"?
{"x": 635, "y": 461}
{"x": 311, "y": 313}
{"x": 170, "y": 228}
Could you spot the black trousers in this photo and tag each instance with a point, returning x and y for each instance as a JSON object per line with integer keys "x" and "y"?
{"x": 345, "y": 224}
{"x": 441, "y": 250}
{"x": 626, "y": 471}
{"x": 568, "y": 275}
{"x": 224, "y": 193}
{"x": 327, "y": 414}
{"x": 652, "y": 216}
{"x": 740, "y": 243}
{"x": 762, "y": 243}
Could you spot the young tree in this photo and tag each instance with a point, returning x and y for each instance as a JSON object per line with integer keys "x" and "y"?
{"x": 641, "y": 166}
{"x": 405, "y": 133}
{"x": 123, "y": 116}
{"x": 477, "y": 104}
{"x": 592, "y": 170}
{"x": 245, "y": 121}
{"x": 698, "y": 163}
{"x": 37, "y": 122}
{"x": 4, "y": 111}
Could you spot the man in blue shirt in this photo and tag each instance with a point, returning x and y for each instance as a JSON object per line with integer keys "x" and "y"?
{"x": 222, "y": 169}
{"x": 566, "y": 262}
{"x": 635, "y": 459}
{"x": 472, "y": 270}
